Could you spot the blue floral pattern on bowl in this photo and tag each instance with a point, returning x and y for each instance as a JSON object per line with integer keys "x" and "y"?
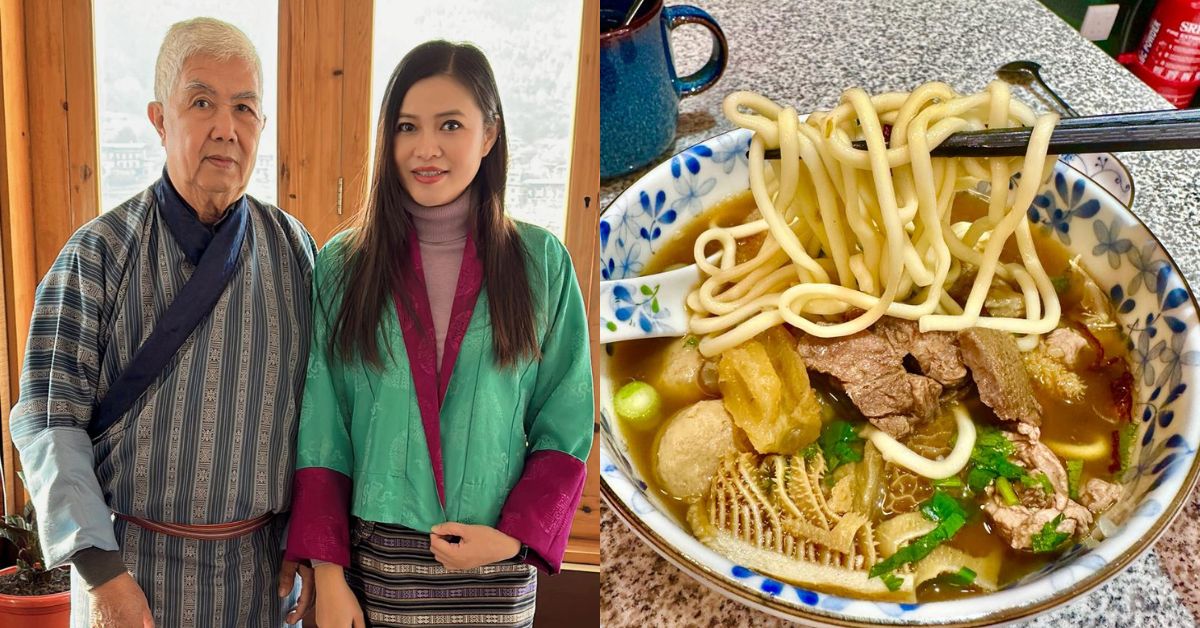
{"x": 1106, "y": 170}
{"x": 1155, "y": 309}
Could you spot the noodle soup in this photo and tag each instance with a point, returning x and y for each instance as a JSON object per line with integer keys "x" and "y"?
{"x": 893, "y": 389}
{"x": 1078, "y": 423}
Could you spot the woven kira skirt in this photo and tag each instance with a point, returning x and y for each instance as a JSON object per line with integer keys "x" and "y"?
{"x": 399, "y": 583}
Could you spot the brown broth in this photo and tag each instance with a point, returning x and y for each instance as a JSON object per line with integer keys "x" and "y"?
{"x": 1077, "y": 423}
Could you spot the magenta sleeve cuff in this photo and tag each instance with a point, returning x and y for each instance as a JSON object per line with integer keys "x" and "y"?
{"x": 320, "y": 521}
{"x": 539, "y": 509}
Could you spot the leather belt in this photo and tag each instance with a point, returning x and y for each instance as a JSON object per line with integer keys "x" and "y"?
{"x": 202, "y": 532}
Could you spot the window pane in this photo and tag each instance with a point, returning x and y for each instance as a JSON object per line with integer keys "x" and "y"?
{"x": 534, "y": 51}
{"x": 128, "y": 34}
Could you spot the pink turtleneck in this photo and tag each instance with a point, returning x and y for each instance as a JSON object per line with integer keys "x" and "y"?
{"x": 442, "y": 234}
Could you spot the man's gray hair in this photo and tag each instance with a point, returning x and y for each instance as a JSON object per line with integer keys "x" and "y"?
{"x": 200, "y": 36}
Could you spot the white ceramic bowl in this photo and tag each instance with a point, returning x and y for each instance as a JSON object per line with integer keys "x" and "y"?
{"x": 1156, "y": 309}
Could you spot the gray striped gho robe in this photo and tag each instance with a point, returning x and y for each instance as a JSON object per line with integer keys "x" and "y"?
{"x": 210, "y": 441}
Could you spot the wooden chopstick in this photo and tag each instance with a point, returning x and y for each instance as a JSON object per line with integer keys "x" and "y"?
{"x": 1141, "y": 131}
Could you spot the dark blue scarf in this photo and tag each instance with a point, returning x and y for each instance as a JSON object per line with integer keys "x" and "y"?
{"x": 214, "y": 251}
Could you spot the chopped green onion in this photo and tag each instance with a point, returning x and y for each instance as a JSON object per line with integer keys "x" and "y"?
{"x": 1061, "y": 283}
{"x": 1006, "y": 491}
{"x": 1125, "y": 440}
{"x": 963, "y": 577}
{"x": 951, "y": 482}
{"x": 691, "y": 341}
{"x": 892, "y": 581}
{"x": 638, "y": 404}
{"x": 1041, "y": 480}
{"x": 1074, "y": 476}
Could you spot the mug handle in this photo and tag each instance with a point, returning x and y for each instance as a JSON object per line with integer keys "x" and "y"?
{"x": 705, "y": 77}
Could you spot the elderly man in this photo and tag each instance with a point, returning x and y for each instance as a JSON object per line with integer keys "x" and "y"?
{"x": 166, "y": 355}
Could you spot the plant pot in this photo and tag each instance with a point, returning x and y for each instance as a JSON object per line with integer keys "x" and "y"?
{"x": 34, "y": 611}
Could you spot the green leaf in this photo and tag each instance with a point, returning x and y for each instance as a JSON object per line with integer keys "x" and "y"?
{"x": 1074, "y": 476}
{"x": 990, "y": 459}
{"x": 942, "y": 506}
{"x": 977, "y": 479}
{"x": 921, "y": 547}
{"x": 950, "y": 517}
{"x": 767, "y": 483}
{"x": 611, "y": 326}
{"x": 654, "y": 305}
{"x": 840, "y": 443}
{"x": 646, "y": 290}
{"x": 1049, "y": 538}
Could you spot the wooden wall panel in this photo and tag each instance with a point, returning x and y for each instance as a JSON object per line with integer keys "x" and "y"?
{"x": 51, "y": 41}
{"x": 16, "y": 230}
{"x": 62, "y": 103}
{"x": 583, "y": 216}
{"x": 83, "y": 122}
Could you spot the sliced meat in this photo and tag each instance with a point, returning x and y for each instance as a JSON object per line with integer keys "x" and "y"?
{"x": 999, "y": 374}
{"x": 1018, "y": 524}
{"x": 1068, "y": 346}
{"x": 1098, "y": 495}
{"x": 869, "y": 366}
{"x": 871, "y": 370}
{"x": 690, "y": 447}
{"x": 854, "y": 358}
{"x": 1030, "y": 453}
{"x": 936, "y": 352}
{"x": 896, "y": 401}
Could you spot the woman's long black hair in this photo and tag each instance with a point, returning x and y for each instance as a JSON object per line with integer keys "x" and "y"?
{"x": 377, "y": 253}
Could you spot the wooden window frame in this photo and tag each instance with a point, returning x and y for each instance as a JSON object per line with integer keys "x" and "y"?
{"x": 48, "y": 93}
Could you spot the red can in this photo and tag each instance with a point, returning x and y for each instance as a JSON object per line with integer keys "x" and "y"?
{"x": 1169, "y": 58}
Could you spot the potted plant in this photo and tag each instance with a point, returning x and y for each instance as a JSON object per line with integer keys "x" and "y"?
{"x": 30, "y": 595}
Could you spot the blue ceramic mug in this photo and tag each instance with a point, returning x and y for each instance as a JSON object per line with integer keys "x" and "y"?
{"x": 639, "y": 89}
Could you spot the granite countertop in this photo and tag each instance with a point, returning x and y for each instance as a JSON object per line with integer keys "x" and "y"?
{"x": 805, "y": 53}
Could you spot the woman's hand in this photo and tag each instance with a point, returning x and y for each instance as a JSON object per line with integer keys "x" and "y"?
{"x": 336, "y": 605}
{"x": 476, "y": 546}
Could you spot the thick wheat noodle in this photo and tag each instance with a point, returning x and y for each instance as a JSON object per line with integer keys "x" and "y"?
{"x": 852, "y": 235}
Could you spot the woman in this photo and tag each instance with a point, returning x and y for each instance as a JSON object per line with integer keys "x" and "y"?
{"x": 448, "y": 407}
